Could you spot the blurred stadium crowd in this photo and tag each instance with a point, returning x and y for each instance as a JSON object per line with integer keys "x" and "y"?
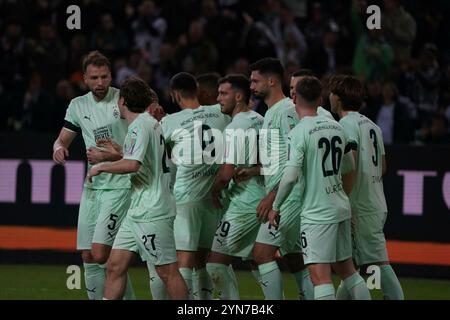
{"x": 405, "y": 65}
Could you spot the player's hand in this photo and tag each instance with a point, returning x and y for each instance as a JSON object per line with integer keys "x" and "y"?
{"x": 94, "y": 171}
{"x": 60, "y": 154}
{"x": 244, "y": 174}
{"x": 216, "y": 201}
{"x": 274, "y": 218}
{"x": 265, "y": 206}
{"x": 109, "y": 146}
{"x": 157, "y": 112}
{"x": 94, "y": 155}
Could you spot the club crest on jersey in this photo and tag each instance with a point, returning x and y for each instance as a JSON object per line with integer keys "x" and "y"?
{"x": 116, "y": 112}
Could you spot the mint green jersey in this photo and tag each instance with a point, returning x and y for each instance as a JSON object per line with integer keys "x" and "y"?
{"x": 98, "y": 120}
{"x": 151, "y": 198}
{"x": 189, "y": 131}
{"x": 364, "y": 136}
{"x": 279, "y": 120}
{"x": 316, "y": 147}
{"x": 241, "y": 137}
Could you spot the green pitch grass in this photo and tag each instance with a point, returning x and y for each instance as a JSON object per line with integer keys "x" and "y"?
{"x": 38, "y": 282}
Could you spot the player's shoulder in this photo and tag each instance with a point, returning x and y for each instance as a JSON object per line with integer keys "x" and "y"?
{"x": 80, "y": 101}
{"x": 114, "y": 92}
{"x": 212, "y": 108}
{"x": 324, "y": 112}
{"x": 175, "y": 117}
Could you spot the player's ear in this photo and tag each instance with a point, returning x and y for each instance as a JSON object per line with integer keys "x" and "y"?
{"x": 238, "y": 97}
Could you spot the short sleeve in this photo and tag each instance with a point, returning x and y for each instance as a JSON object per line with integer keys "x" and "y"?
{"x": 348, "y": 163}
{"x": 136, "y": 143}
{"x": 296, "y": 150}
{"x": 351, "y": 136}
{"x": 71, "y": 120}
{"x": 166, "y": 128}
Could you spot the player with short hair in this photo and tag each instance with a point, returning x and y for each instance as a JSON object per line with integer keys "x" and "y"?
{"x": 105, "y": 200}
{"x": 316, "y": 152}
{"x": 148, "y": 226}
{"x": 190, "y": 133}
{"x": 295, "y": 78}
{"x": 207, "y": 88}
{"x": 239, "y": 225}
{"x": 369, "y": 210}
{"x": 266, "y": 84}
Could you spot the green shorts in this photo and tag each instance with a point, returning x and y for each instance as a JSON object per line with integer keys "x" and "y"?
{"x": 287, "y": 235}
{"x": 326, "y": 243}
{"x": 369, "y": 243}
{"x": 153, "y": 241}
{"x": 100, "y": 216}
{"x": 236, "y": 234}
{"x": 195, "y": 225}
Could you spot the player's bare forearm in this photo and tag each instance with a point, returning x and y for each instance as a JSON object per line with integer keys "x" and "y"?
{"x": 122, "y": 166}
{"x": 348, "y": 181}
{"x": 286, "y": 185}
{"x": 243, "y": 174}
{"x": 223, "y": 177}
{"x": 61, "y": 145}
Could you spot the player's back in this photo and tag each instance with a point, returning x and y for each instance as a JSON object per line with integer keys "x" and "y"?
{"x": 151, "y": 196}
{"x": 367, "y": 196}
{"x": 188, "y": 132}
{"x": 319, "y": 143}
{"x": 241, "y": 137}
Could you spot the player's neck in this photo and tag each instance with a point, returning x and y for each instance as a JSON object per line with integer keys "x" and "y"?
{"x": 240, "y": 108}
{"x": 276, "y": 96}
{"x": 307, "y": 112}
{"x": 342, "y": 113}
{"x": 189, "y": 104}
{"x": 131, "y": 116}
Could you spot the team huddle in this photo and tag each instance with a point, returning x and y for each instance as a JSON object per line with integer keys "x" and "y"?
{"x": 191, "y": 191}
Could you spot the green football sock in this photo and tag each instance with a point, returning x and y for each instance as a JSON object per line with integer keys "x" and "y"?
{"x": 324, "y": 292}
{"x": 204, "y": 284}
{"x": 157, "y": 286}
{"x": 357, "y": 287}
{"x": 271, "y": 281}
{"x": 392, "y": 290}
{"x": 224, "y": 281}
{"x": 94, "y": 279}
{"x": 186, "y": 273}
{"x": 304, "y": 284}
{"x": 342, "y": 292}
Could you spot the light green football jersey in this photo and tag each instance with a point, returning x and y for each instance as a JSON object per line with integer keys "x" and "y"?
{"x": 241, "y": 150}
{"x": 151, "y": 198}
{"x": 99, "y": 120}
{"x": 279, "y": 120}
{"x": 188, "y": 133}
{"x": 364, "y": 136}
{"x": 317, "y": 146}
